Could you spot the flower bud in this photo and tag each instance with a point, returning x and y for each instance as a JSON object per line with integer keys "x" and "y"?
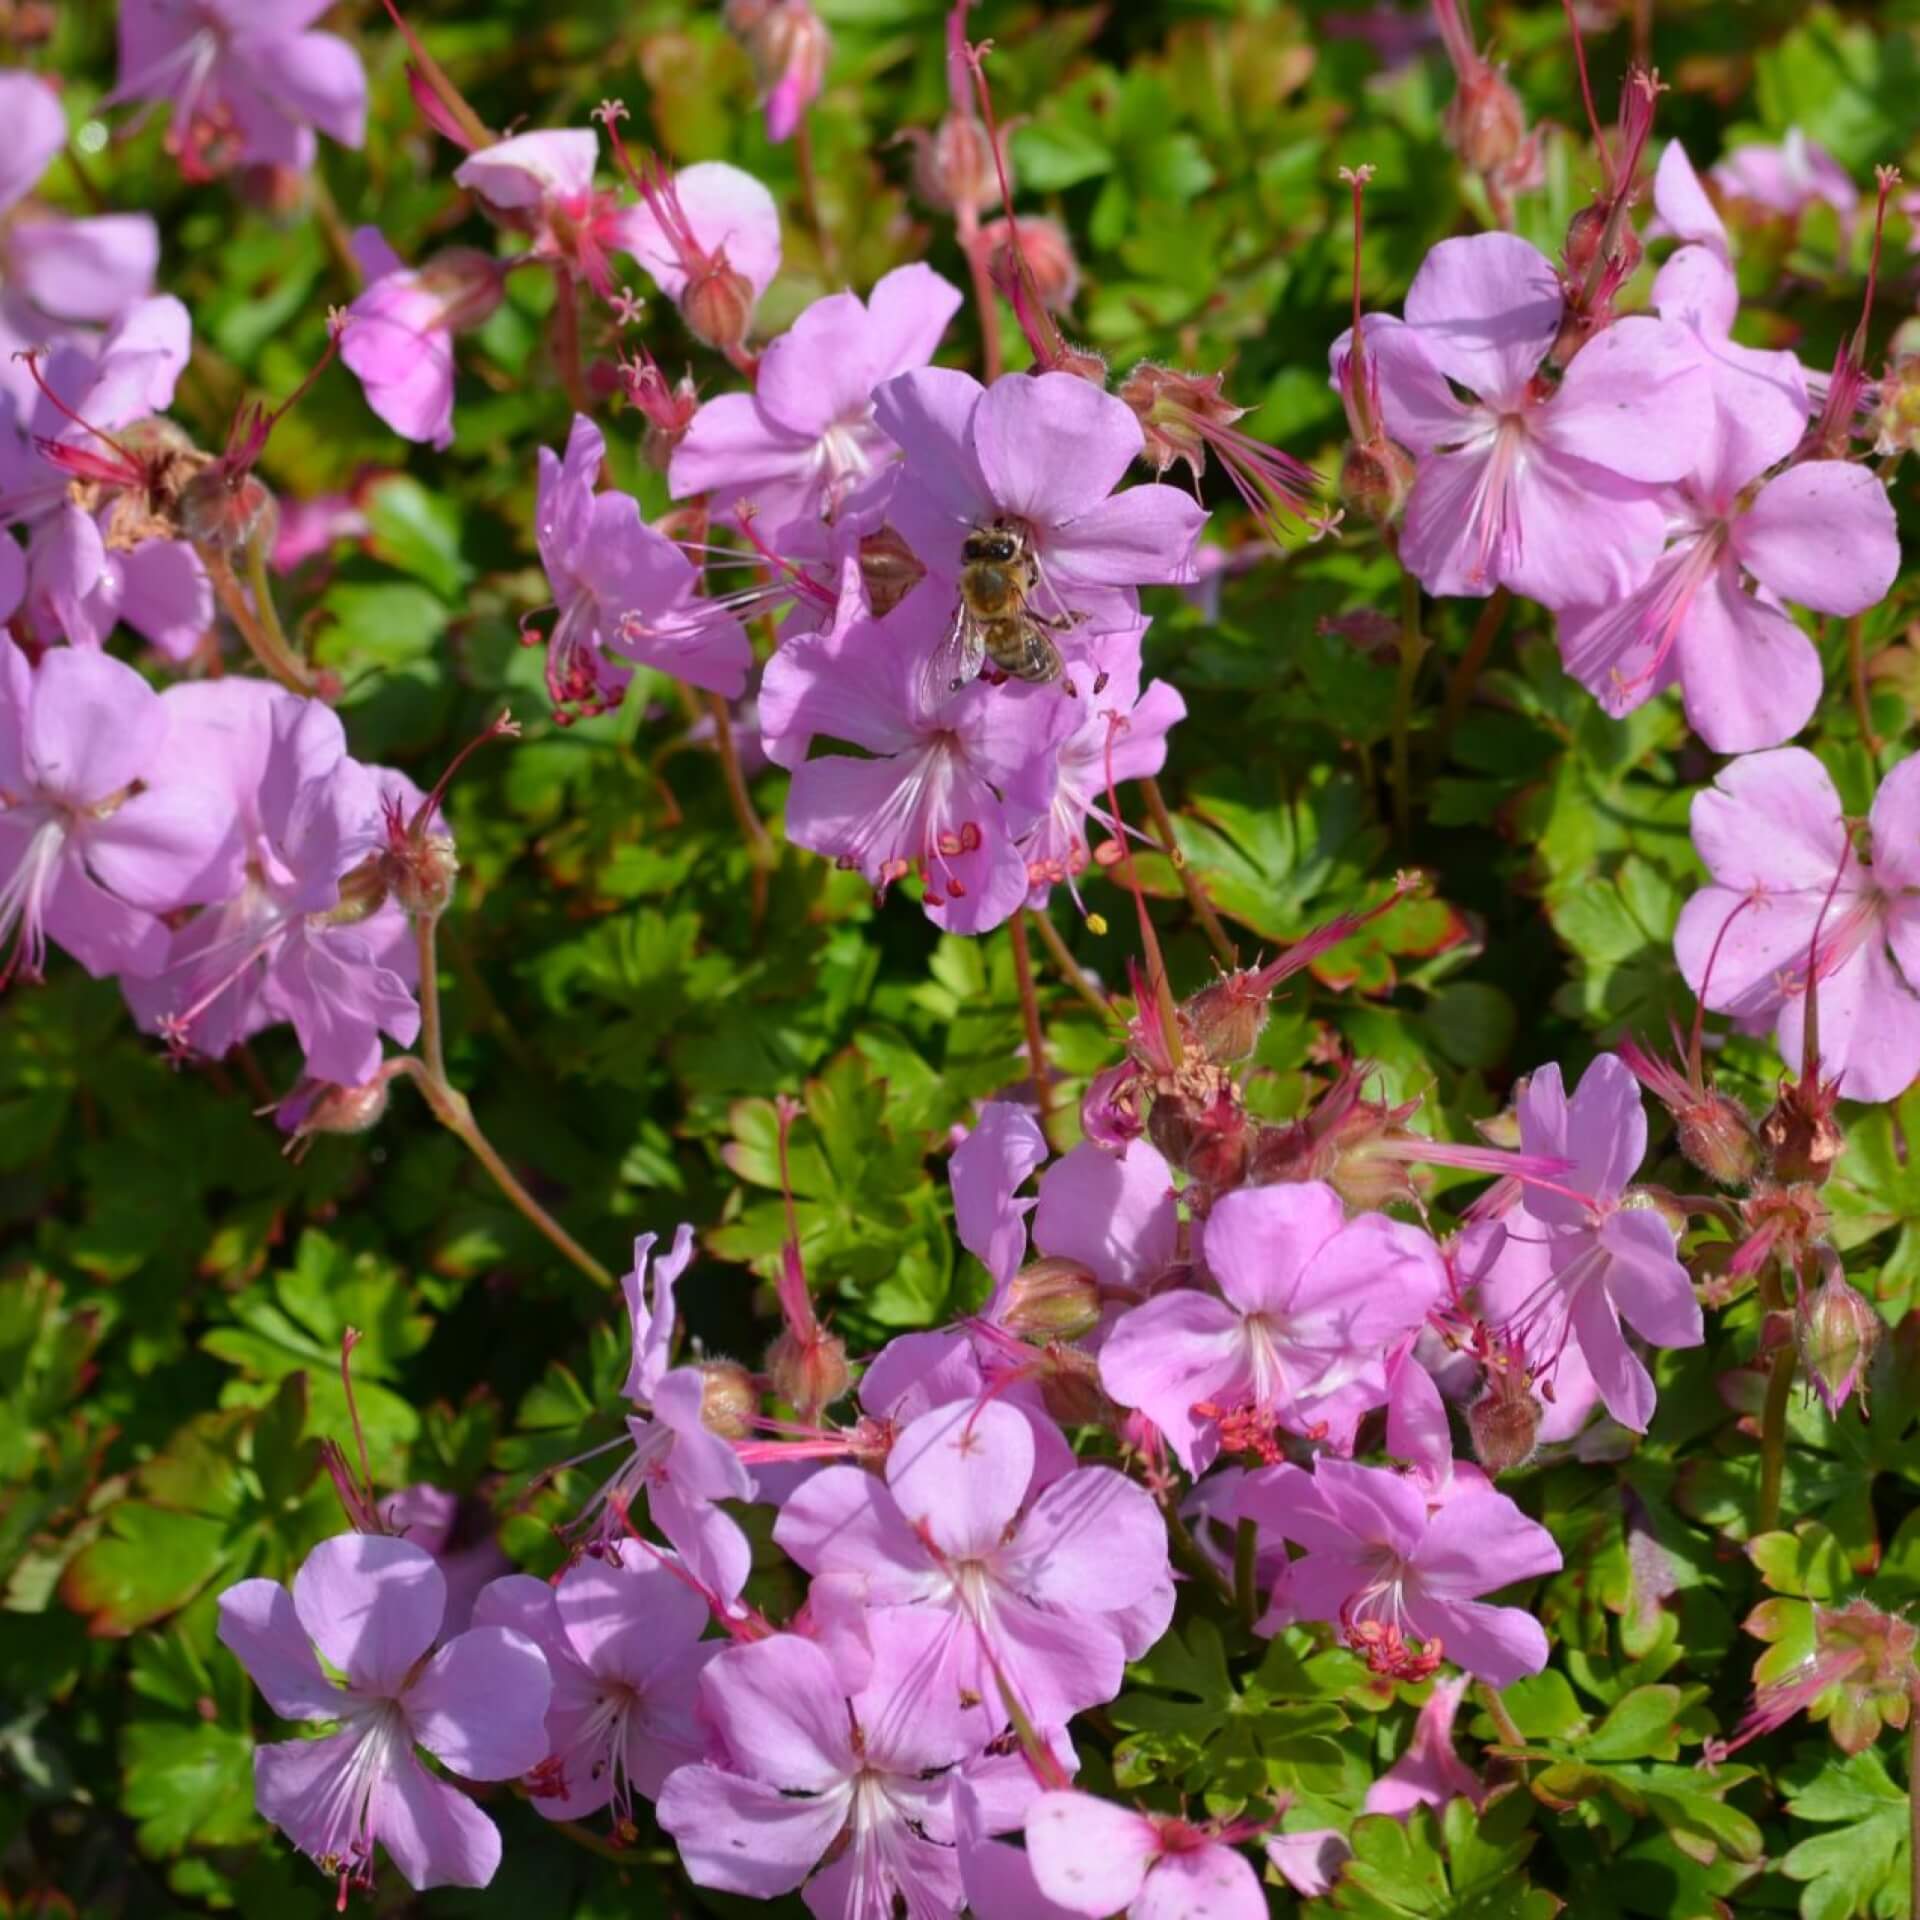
{"x": 1896, "y": 421}
{"x": 1587, "y": 233}
{"x": 1070, "y": 1387}
{"x": 1716, "y": 1135}
{"x": 810, "y": 1373}
{"x": 1647, "y": 1199}
{"x": 1485, "y": 122}
{"x": 788, "y": 45}
{"x": 729, "y": 1401}
{"x": 717, "y": 305}
{"x": 421, "y": 868}
{"x": 889, "y": 570}
{"x": 469, "y": 285}
{"x": 226, "y": 511}
{"x": 1836, "y": 1331}
{"x": 1228, "y": 1017}
{"x": 1376, "y": 479}
{"x": 1057, "y": 1299}
{"x": 953, "y": 166}
{"x": 1504, "y": 1421}
{"x": 1049, "y": 256}
{"x": 1800, "y": 1134}
{"x": 319, "y": 1107}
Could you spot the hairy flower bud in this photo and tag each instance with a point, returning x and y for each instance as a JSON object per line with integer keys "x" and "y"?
{"x": 317, "y": 1106}
{"x": 717, "y": 305}
{"x": 953, "y": 166}
{"x": 1049, "y": 256}
{"x": 1070, "y": 1387}
{"x": 1505, "y": 1420}
{"x": 470, "y": 285}
{"x": 1376, "y": 479}
{"x": 226, "y": 511}
{"x": 1055, "y": 1298}
{"x": 810, "y": 1373}
{"x": 1836, "y": 1331}
{"x": 1228, "y": 1017}
{"x": 729, "y": 1401}
{"x": 889, "y": 570}
{"x": 1800, "y": 1134}
{"x": 788, "y": 45}
{"x": 1485, "y": 123}
{"x": 1587, "y": 234}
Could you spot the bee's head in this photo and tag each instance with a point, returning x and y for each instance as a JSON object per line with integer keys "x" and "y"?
{"x": 997, "y": 544}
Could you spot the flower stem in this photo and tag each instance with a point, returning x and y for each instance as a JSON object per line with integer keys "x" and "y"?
{"x": 1504, "y": 1725}
{"x": 760, "y": 848}
{"x": 1466, "y": 673}
{"x": 1185, "y": 1552}
{"x": 1190, "y": 884}
{"x": 258, "y": 622}
{"x": 1773, "y": 1417}
{"x": 566, "y": 340}
{"x": 986, "y": 301}
{"x": 1413, "y": 649}
{"x": 450, "y": 1107}
{"x": 1913, "y": 1810}
{"x": 1071, "y": 970}
{"x": 1246, "y": 1586}
{"x": 1857, "y": 663}
{"x": 810, "y": 197}
{"x": 1030, "y": 1016}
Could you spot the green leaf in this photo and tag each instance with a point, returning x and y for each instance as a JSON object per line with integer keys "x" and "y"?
{"x": 418, "y": 532}
{"x": 188, "y": 1783}
{"x": 1860, "y": 1868}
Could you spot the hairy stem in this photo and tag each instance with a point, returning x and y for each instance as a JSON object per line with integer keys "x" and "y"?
{"x": 985, "y": 299}
{"x": 1185, "y": 1551}
{"x": 1857, "y": 665}
{"x": 427, "y": 1069}
{"x": 1071, "y": 970}
{"x": 1773, "y": 1417}
{"x": 1246, "y": 1585}
{"x": 1413, "y": 649}
{"x": 1466, "y": 673}
{"x": 257, "y": 620}
{"x": 1223, "y": 949}
{"x": 566, "y": 340}
{"x": 1030, "y": 1016}
{"x": 810, "y": 198}
{"x": 760, "y": 848}
{"x": 1504, "y": 1725}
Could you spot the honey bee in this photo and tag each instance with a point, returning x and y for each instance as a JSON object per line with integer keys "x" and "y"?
{"x": 994, "y": 618}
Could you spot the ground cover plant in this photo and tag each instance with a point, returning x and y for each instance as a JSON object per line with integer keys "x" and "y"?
{"x": 958, "y": 959}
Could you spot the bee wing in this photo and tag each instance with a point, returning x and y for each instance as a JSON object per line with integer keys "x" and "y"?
{"x": 957, "y": 659}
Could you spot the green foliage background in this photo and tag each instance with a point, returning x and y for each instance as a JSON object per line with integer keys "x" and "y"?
{"x": 174, "y": 1290}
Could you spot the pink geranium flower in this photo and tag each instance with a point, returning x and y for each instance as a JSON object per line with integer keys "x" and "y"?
{"x": 1092, "y": 1857}
{"x": 709, "y": 239}
{"x": 1045, "y": 452}
{"x": 92, "y": 566}
{"x": 1430, "y": 1772}
{"x": 1121, "y": 736}
{"x": 622, "y": 1642}
{"x": 373, "y": 1607}
{"x": 1309, "y": 1305}
{"x": 1821, "y": 533}
{"x": 987, "y": 1169}
{"x": 1030, "y": 1585}
{"x": 1607, "y": 1259}
{"x": 398, "y": 337}
{"x": 949, "y": 781}
{"x": 1774, "y": 837}
{"x": 104, "y": 823}
{"x": 247, "y": 84}
{"x": 1394, "y": 1573}
{"x": 1788, "y": 178}
{"x": 818, "y": 1770}
{"x": 56, "y": 270}
{"x": 1547, "y": 489}
{"x": 308, "y": 933}
{"x": 803, "y": 444}
{"x": 624, "y": 595}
